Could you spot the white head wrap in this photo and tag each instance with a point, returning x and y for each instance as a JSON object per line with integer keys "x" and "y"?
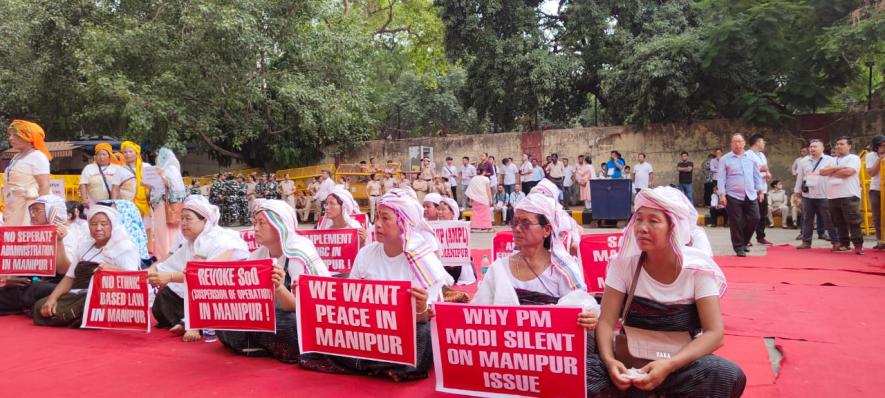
{"x": 213, "y": 236}
{"x": 349, "y": 207}
{"x": 54, "y": 207}
{"x": 683, "y": 217}
{"x": 295, "y": 247}
{"x": 419, "y": 240}
{"x": 119, "y": 242}
{"x": 452, "y": 204}
{"x": 167, "y": 161}
{"x": 433, "y": 197}
{"x": 563, "y": 262}
{"x": 564, "y": 223}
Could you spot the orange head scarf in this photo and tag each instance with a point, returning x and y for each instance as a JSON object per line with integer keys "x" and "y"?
{"x": 32, "y": 133}
{"x": 104, "y": 146}
{"x": 118, "y": 159}
{"x": 141, "y": 194}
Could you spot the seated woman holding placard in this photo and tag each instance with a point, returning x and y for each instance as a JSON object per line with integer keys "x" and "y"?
{"x": 19, "y": 293}
{"x": 404, "y": 250}
{"x": 276, "y": 230}
{"x": 340, "y": 207}
{"x": 203, "y": 240}
{"x": 447, "y": 210}
{"x": 542, "y": 272}
{"x": 107, "y": 247}
{"x": 667, "y": 294}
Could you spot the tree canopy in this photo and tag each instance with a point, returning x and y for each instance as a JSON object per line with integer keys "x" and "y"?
{"x": 273, "y": 82}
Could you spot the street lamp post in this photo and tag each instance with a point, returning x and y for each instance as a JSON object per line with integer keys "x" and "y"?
{"x": 869, "y": 65}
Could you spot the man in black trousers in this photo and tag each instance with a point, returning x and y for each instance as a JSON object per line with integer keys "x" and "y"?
{"x": 741, "y": 189}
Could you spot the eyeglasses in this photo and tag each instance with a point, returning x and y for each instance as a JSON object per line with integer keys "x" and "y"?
{"x": 524, "y": 225}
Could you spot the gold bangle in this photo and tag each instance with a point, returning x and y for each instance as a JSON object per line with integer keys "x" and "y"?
{"x": 426, "y": 308}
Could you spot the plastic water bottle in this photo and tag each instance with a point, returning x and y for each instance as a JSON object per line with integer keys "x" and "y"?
{"x": 209, "y": 335}
{"x": 484, "y": 265}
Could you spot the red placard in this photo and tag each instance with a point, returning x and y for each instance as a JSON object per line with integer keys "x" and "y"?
{"x": 454, "y": 241}
{"x": 337, "y": 247}
{"x": 361, "y": 218}
{"x": 502, "y": 245}
{"x": 248, "y": 235}
{"x": 230, "y": 295}
{"x": 28, "y": 250}
{"x": 496, "y": 351}
{"x": 364, "y": 319}
{"x": 594, "y": 252}
{"x": 117, "y": 300}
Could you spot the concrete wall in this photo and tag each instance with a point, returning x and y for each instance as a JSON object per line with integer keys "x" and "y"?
{"x": 662, "y": 143}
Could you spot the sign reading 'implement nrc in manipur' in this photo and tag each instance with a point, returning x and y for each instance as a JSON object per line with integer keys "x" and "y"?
{"x": 594, "y": 252}
{"x": 117, "y": 300}
{"x": 363, "y": 319}
{"x": 454, "y": 241}
{"x": 337, "y": 247}
{"x": 28, "y": 250}
{"x": 234, "y": 295}
{"x": 496, "y": 351}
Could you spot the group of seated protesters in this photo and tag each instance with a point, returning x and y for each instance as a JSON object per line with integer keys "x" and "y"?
{"x": 677, "y": 284}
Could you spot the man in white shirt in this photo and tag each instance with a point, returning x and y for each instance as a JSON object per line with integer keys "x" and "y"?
{"x": 643, "y": 174}
{"x": 325, "y": 188}
{"x": 568, "y": 182}
{"x": 757, "y": 153}
{"x": 803, "y": 153}
{"x": 555, "y": 171}
{"x": 843, "y": 193}
{"x": 510, "y": 171}
{"x": 450, "y": 171}
{"x": 525, "y": 172}
{"x": 468, "y": 171}
{"x": 814, "y": 191}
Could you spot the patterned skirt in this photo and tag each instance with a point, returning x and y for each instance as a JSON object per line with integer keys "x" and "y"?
{"x": 283, "y": 345}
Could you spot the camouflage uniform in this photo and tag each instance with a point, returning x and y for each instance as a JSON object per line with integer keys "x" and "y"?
{"x": 216, "y": 192}
{"x": 243, "y": 203}
{"x": 230, "y": 212}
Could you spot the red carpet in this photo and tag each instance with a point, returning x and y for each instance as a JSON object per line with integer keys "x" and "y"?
{"x": 824, "y": 309}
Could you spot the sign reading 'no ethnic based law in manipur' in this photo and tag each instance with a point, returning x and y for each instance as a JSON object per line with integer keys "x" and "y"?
{"x": 28, "y": 251}
{"x": 363, "y": 319}
{"x": 496, "y": 351}
{"x": 117, "y": 300}
{"x": 231, "y": 295}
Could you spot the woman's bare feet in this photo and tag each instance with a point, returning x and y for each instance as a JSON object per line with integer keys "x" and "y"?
{"x": 191, "y": 335}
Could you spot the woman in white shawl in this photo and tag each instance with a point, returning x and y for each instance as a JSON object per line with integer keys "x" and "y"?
{"x": 165, "y": 231}
{"x": 443, "y": 208}
{"x": 340, "y": 208}
{"x": 276, "y": 230}
{"x": 204, "y": 240}
{"x": 405, "y": 250}
{"x": 675, "y": 288}
{"x": 448, "y": 210}
{"x": 542, "y": 272}
{"x": 431, "y": 206}
{"x": 107, "y": 247}
{"x": 566, "y": 227}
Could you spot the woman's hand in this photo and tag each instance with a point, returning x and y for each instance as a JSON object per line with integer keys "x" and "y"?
{"x": 588, "y": 320}
{"x": 61, "y": 232}
{"x": 278, "y": 276}
{"x": 49, "y": 307}
{"x": 420, "y": 296}
{"x": 655, "y": 373}
{"x": 106, "y": 267}
{"x": 363, "y": 234}
{"x": 616, "y": 370}
{"x": 159, "y": 279}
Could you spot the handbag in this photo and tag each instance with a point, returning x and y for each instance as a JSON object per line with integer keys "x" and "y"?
{"x": 173, "y": 212}
{"x": 636, "y": 347}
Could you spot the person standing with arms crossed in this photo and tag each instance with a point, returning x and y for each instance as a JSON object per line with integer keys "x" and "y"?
{"x": 740, "y": 187}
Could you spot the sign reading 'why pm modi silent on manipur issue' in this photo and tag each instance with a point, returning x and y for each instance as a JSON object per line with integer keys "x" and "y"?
{"x": 357, "y": 318}
{"x": 496, "y": 351}
{"x": 230, "y": 295}
{"x": 28, "y": 251}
